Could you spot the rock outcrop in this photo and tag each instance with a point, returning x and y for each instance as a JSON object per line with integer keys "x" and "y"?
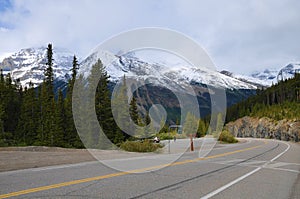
{"x": 287, "y": 130}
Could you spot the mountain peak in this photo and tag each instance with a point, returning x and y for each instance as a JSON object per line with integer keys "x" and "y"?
{"x": 28, "y": 64}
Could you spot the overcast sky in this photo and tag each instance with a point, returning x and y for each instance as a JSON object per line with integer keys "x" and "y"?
{"x": 240, "y": 36}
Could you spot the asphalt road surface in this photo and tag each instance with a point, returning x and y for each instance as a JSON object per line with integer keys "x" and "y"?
{"x": 251, "y": 169}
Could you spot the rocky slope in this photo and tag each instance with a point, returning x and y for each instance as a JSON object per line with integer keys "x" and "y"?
{"x": 287, "y": 130}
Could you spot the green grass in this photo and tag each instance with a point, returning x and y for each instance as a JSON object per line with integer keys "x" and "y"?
{"x": 227, "y": 137}
{"x": 140, "y": 146}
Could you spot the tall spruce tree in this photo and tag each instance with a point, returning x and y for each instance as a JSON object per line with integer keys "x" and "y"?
{"x": 121, "y": 111}
{"x": 103, "y": 106}
{"x": 133, "y": 111}
{"x": 59, "y": 125}
{"x": 71, "y": 137}
{"x": 47, "y": 103}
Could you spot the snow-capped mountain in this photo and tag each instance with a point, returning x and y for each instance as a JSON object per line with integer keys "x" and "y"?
{"x": 289, "y": 71}
{"x": 28, "y": 65}
{"x": 268, "y": 76}
{"x": 260, "y": 79}
{"x": 118, "y": 66}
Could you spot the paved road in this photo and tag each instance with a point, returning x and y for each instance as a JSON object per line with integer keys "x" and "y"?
{"x": 252, "y": 169}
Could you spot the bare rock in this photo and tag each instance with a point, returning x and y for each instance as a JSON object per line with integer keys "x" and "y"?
{"x": 287, "y": 130}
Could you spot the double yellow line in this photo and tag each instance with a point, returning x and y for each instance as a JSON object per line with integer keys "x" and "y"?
{"x": 74, "y": 182}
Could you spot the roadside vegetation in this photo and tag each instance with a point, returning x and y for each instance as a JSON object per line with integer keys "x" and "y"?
{"x": 141, "y": 146}
{"x": 227, "y": 137}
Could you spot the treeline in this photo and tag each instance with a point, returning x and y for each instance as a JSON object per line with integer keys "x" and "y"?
{"x": 37, "y": 116}
{"x": 43, "y": 116}
{"x": 280, "y": 101}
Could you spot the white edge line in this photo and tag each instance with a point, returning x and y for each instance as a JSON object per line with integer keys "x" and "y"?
{"x": 215, "y": 192}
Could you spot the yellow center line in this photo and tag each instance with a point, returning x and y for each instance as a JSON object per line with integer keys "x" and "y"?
{"x": 74, "y": 182}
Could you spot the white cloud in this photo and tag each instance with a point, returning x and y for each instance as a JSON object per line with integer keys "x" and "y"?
{"x": 240, "y": 36}
{"x": 3, "y": 29}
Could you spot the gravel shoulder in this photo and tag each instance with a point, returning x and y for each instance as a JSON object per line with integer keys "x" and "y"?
{"x": 15, "y": 158}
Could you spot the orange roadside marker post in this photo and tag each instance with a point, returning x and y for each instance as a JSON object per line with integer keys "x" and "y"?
{"x": 192, "y": 143}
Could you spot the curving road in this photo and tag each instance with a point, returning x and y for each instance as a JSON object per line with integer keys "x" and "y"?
{"x": 254, "y": 168}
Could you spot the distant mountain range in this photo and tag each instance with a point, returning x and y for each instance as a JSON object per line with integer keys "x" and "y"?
{"x": 29, "y": 65}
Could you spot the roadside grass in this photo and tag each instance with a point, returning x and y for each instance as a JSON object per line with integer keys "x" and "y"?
{"x": 171, "y": 135}
{"x": 141, "y": 146}
{"x": 227, "y": 137}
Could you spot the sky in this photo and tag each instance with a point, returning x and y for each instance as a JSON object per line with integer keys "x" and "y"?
{"x": 241, "y": 36}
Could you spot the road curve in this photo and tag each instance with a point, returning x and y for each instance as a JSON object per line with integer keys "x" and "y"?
{"x": 257, "y": 168}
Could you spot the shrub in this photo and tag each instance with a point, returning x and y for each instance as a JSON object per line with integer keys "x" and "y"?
{"x": 227, "y": 137}
{"x": 140, "y": 146}
{"x": 165, "y": 136}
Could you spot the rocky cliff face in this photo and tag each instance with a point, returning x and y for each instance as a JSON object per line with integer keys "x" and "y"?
{"x": 287, "y": 130}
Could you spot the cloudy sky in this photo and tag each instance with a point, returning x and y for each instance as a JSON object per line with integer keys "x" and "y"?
{"x": 241, "y": 36}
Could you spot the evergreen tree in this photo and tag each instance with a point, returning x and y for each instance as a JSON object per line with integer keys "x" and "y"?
{"x": 59, "y": 125}
{"x": 202, "y": 128}
{"x": 121, "y": 112}
{"x": 75, "y": 67}
{"x": 49, "y": 76}
{"x": 191, "y": 124}
{"x": 71, "y": 137}
{"x": 27, "y": 126}
{"x": 133, "y": 110}
{"x": 46, "y": 129}
{"x": 103, "y": 105}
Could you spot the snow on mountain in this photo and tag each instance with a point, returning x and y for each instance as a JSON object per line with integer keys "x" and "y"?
{"x": 259, "y": 79}
{"x": 268, "y": 76}
{"x": 160, "y": 74}
{"x": 28, "y": 65}
{"x": 288, "y": 71}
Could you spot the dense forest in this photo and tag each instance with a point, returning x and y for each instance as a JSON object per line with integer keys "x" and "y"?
{"x": 37, "y": 116}
{"x": 41, "y": 116}
{"x": 44, "y": 115}
{"x": 280, "y": 101}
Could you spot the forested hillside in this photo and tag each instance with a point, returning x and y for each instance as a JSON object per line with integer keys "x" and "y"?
{"x": 37, "y": 116}
{"x": 280, "y": 101}
{"x": 41, "y": 116}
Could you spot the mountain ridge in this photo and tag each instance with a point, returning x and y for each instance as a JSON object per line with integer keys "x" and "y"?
{"x": 29, "y": 64}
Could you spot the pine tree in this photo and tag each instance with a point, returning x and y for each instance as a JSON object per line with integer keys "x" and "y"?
{"x": 191, "y": 124}
{"x": 49, "y": 76}
{"x": 79, "y": 111}
{"x": 27, "y": 126}
{"x": 202, "y": 128}
{"x": 71, "y": 137}
{"x": 46, "y": 129}
{"x": 59, "y": 125}
{"x": 121, "y": 112}
{"x": 103, "y": 105}
{"x": 133, "y": 111}
{"x": 149, "y": 128}
{"x": 11, "y": 101}
{"x": 2, "y": 136}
